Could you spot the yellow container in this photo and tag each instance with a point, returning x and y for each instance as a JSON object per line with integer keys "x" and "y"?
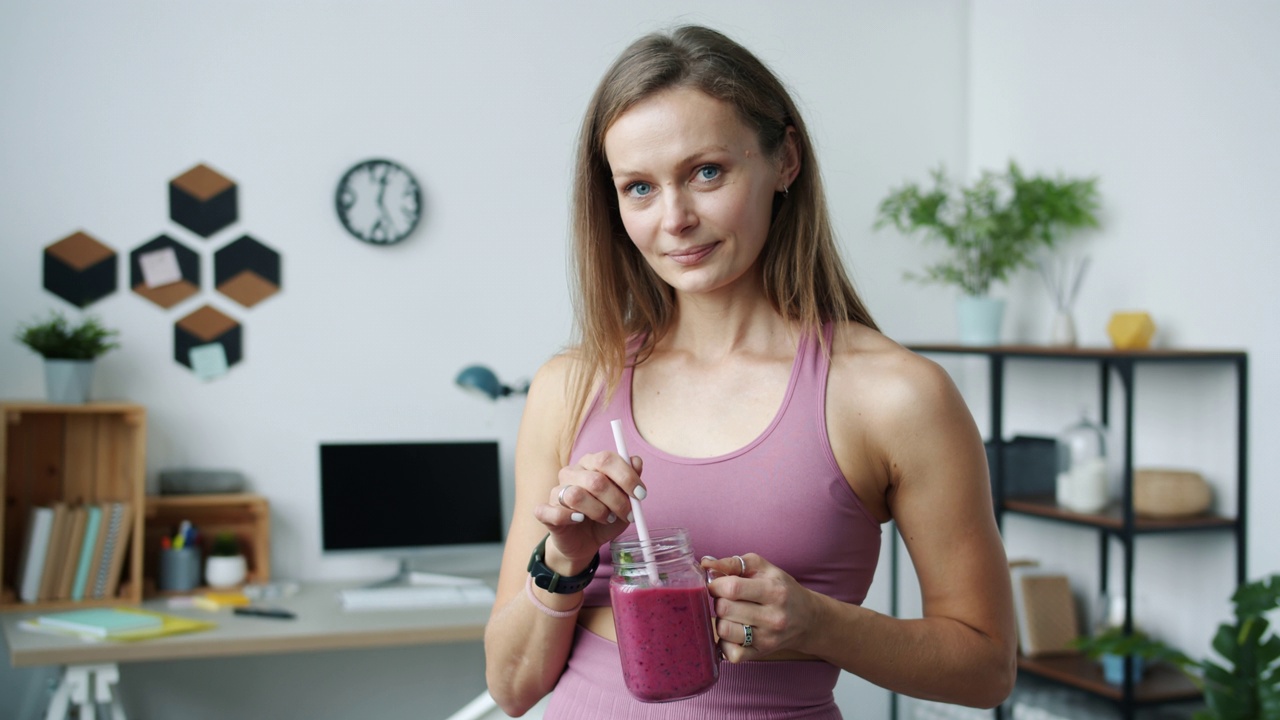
{"x": 1131, "y": 330}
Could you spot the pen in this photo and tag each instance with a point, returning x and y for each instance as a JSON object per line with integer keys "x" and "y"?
{"x": 271, "y": 612}
{"x": 181, "y": 538}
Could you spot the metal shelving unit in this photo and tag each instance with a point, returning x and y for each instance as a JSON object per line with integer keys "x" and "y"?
{"x": 1161, "y": 684}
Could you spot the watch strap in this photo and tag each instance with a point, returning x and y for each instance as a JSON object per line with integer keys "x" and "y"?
{"x": 552, "y": 581}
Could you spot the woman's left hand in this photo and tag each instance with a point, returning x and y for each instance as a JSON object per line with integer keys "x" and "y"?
{"x": 750, "y": 591}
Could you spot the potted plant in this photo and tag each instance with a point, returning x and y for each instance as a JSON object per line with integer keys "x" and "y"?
{"x": 1111, "y": 646}
{"x": 991, "y": 229}
{"x": 68, "y": 353}
{"x": 1245, "y": 683}
{"x": 225, "y": 567}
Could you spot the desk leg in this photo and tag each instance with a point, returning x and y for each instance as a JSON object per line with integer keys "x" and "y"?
{"x": 75, "y": 688}
{"x": 104, "y": 677}
{"x": 75, "y": 680}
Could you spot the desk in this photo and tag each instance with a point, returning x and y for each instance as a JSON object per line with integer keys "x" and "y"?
{"x": 321, "y": 625}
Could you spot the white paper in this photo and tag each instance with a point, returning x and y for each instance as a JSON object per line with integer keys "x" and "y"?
{"x": 160, "y": 267}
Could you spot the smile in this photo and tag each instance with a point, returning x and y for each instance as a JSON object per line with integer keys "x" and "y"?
{"x": 693, "y": 255}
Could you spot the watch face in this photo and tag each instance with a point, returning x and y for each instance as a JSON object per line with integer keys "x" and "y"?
{"x": 379, "y": 202}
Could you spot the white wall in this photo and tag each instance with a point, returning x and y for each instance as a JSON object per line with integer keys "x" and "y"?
{"x": 104, "y": 103}
{"x": 1176, "y": 109}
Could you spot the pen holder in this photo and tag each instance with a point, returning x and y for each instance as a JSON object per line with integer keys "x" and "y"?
{"x": 179, "y": 569}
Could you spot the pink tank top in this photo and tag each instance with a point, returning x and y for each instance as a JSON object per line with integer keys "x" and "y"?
{"x": 782, "y": 495}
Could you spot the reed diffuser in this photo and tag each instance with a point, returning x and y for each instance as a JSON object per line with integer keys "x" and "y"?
{"x": 1063, "y": 277}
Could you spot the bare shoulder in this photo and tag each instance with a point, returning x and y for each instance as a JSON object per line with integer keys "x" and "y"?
{"x": 897, "y": 415}
{"x": 549, "y": 415}
{"x": 884, "y": 378}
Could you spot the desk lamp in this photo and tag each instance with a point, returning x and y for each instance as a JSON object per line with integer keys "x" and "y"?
{"x": 480, "y": 379}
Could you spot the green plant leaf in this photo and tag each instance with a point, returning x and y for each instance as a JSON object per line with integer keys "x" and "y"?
{"x": 55, "y": 338}
{"x": 992, "y": 226}
{"x": 1258, "y": 597}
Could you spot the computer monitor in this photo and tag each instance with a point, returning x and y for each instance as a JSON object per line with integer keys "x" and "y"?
{"x": 410, "y": 500}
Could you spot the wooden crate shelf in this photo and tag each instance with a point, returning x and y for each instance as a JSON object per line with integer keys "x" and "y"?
{"x": 247, "y": 516}
{"x": 76, "y": 454}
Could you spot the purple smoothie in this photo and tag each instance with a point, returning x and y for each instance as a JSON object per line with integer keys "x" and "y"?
{"x": 665, "y": 641}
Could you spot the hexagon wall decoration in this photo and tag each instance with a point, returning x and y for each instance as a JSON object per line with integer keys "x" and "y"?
{"x": 205, "y": 327}
{"x": 203, "y": 200}
{"x": 79, "y": 269}
{"x": 247, "y": 271}
{"x": 166, "y": 296}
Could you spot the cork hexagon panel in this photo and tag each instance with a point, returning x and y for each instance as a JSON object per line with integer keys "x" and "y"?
{"x": 203, "y": 200}
{"x": 247, "y": 271}
{"x": 207, "y": 326}
{"x": 170, "y": 293}
{"x": 79, "y": 269}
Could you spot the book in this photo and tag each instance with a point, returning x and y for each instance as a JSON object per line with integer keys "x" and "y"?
{"x": 1018, "y": 569}
{"x": 101, "y": 622}
{"x": 93, "y": 520}
{"x": 34, "y": 549}
{"x": 99, "y": 548}
{"x": 57, "y": 541}
{"x": 77, "y": 519}
{"x": 124, "y": 532}
{"x": 1050, "y": 609}
{"x": 102, "y": 564}
{"x": 157, "y": 625}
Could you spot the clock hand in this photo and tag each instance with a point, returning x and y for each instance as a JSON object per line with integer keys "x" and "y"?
{"x": 382, "y": 187}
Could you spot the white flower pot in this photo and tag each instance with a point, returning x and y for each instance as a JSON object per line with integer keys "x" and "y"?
{"x": 68, "y": 381}
{"x": 980, "y": 318}
{"x": 221, "y": 571}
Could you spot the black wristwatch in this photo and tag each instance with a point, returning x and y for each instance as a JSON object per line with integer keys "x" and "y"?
{"x": 552, "y": 581}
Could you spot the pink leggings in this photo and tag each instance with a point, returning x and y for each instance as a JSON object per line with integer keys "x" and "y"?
{"x": 591, "y": 688}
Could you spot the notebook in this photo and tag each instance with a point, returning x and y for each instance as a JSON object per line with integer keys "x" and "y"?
{"x": 101, "y": 622}
{"x": 87, "y": 545}
{"x": 37, "y": 546}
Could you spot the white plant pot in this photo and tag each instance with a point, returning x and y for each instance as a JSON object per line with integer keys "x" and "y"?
{"x": 68, "y": 381}
{"x": 980, "y": 318}
{"x": 222, "y": 571}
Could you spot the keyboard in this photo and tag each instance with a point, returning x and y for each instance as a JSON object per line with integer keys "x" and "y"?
{"x": 412, "y": 597}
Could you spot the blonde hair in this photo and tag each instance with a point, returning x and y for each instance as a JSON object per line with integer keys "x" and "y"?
{"x": 617, "y": 295}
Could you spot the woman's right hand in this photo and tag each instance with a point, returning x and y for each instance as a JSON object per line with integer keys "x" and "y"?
{"x": 590, "y": 507}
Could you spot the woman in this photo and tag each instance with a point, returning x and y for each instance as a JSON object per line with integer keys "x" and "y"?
{"x": 765, "y": 412}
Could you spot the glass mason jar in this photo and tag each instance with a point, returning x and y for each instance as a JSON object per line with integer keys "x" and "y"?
{"x": 665, "y": 634}
{"x": 1082, "y": 468}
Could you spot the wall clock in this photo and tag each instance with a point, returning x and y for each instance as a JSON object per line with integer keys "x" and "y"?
{"x": 379, "y": 202}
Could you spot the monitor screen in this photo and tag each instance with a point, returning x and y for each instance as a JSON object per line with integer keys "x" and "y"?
{"x": 408, "y": 496}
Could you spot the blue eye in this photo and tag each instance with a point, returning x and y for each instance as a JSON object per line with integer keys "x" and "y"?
{"x": 708, "y": 172}
{"x": 639, "y": 189}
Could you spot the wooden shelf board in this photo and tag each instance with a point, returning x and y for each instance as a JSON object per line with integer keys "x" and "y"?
{"x": 1078, "y": 353}
{"x": 93, "y": 408}
{"x": 1111, "y": 518}
{"x": 1161, "y": 683}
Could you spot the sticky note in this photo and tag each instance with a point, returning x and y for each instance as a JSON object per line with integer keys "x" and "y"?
{"x": 160, "y": 267}
{"x": 209, "y": 361}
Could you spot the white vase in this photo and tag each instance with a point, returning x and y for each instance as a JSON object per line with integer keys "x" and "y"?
{"x": 223, "y": 571}
{"x": 1063, "y": 332}
{"x": 68, "y": 381}
{"x": 980, "y": 318}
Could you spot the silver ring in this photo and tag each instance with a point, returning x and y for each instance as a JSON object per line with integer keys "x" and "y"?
{"x": 748, "y": 636}
{"x": 743, "y": 563}
{"x": 560, "y": 496}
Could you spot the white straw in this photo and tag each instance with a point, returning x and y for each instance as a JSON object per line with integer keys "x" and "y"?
{"x": 642, "y": 528}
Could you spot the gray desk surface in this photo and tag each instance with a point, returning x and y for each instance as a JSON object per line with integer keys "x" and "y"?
{"x": 321, "y": 625}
